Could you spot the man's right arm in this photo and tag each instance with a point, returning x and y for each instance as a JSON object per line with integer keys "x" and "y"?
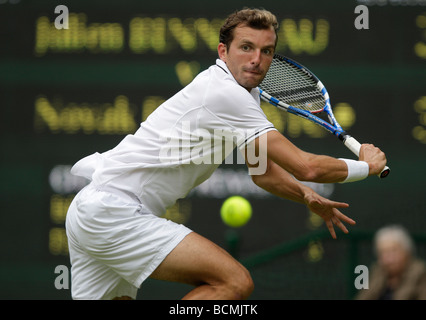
{"x": 306, "y": 166}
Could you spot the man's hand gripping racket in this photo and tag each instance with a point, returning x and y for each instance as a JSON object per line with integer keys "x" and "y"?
{"x": 291, "y": 87}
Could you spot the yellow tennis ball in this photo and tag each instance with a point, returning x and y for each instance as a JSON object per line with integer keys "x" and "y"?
{"x": 236, "y": 211}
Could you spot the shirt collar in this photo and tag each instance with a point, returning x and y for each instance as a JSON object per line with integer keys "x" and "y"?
{"x": 221, "y": 64}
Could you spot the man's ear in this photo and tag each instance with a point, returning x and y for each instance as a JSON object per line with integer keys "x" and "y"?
{"x": 221, "y": 50}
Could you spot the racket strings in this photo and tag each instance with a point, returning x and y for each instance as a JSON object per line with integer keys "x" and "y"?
{"x": 292, "y": 86}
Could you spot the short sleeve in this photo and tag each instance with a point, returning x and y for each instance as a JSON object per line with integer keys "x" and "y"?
{"x": 237, "y": 112}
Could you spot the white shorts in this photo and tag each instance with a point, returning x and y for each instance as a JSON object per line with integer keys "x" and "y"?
{"x": 115, "y": 244}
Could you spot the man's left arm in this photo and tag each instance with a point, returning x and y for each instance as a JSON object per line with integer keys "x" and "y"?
{"x": 280, "y": 183}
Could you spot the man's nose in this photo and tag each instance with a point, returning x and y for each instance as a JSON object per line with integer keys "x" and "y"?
{"x": 255, "y": 60}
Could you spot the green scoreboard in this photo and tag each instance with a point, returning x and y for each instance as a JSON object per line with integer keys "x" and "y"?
{"x": 69, "y": 92}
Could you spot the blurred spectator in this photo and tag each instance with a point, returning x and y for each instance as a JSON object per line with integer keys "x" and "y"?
{"x": 398, "y": 274}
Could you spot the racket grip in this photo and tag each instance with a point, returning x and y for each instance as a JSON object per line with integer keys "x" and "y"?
{"x": 352, "y": 144}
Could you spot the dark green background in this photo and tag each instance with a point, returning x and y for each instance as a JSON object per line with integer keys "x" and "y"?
{"x": 376, "y": 71}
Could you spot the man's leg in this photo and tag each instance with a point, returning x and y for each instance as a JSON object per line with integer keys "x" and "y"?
{"x": 214, "y": 272}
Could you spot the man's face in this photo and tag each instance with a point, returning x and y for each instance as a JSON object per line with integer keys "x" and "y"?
{"x": 249, "y": 55}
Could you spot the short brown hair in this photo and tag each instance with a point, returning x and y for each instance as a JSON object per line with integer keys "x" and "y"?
{"x": 254, "y": 18}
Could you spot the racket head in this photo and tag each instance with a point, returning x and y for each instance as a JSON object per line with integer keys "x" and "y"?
{"x": 293, "y": 85}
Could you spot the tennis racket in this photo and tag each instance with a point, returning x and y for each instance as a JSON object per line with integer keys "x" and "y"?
{"x": 291, "y": 87}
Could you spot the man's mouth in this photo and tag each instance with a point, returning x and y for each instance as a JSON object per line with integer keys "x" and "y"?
{"x": 254, "y": 71}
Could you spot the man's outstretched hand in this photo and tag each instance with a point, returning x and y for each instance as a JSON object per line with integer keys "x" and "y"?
{"x": 329, "y": 211}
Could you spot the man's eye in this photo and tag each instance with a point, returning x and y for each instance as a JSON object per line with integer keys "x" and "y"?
{"x": 245, "y": 48}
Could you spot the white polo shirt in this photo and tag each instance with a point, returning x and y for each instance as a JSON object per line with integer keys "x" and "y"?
{"x": 181, "y": 143}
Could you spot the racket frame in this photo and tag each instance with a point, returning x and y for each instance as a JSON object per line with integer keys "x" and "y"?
{"x": 333, "y": 126}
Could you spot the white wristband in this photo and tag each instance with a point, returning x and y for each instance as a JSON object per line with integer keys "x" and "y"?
{"x": 357, "y": 170}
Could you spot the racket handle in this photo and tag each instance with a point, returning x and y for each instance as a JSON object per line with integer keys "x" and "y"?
{"x": 353, "y": 145}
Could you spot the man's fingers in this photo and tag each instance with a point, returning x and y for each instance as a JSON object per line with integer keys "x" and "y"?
{"x": 331, "y": 228}
{"x": 343, "y": 217}
{"x": 332, "y": 215}
{"x": 339, "y": 224}
{"x": 336, "y": 221}
{"x": 336, "y": 204}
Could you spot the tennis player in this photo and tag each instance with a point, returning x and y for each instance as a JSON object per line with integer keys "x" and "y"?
{"x": 116, "y": 237}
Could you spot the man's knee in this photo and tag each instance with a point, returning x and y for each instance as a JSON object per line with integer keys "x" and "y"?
{"x": 248, "y": 285}
{"x": 241, "y": 285}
